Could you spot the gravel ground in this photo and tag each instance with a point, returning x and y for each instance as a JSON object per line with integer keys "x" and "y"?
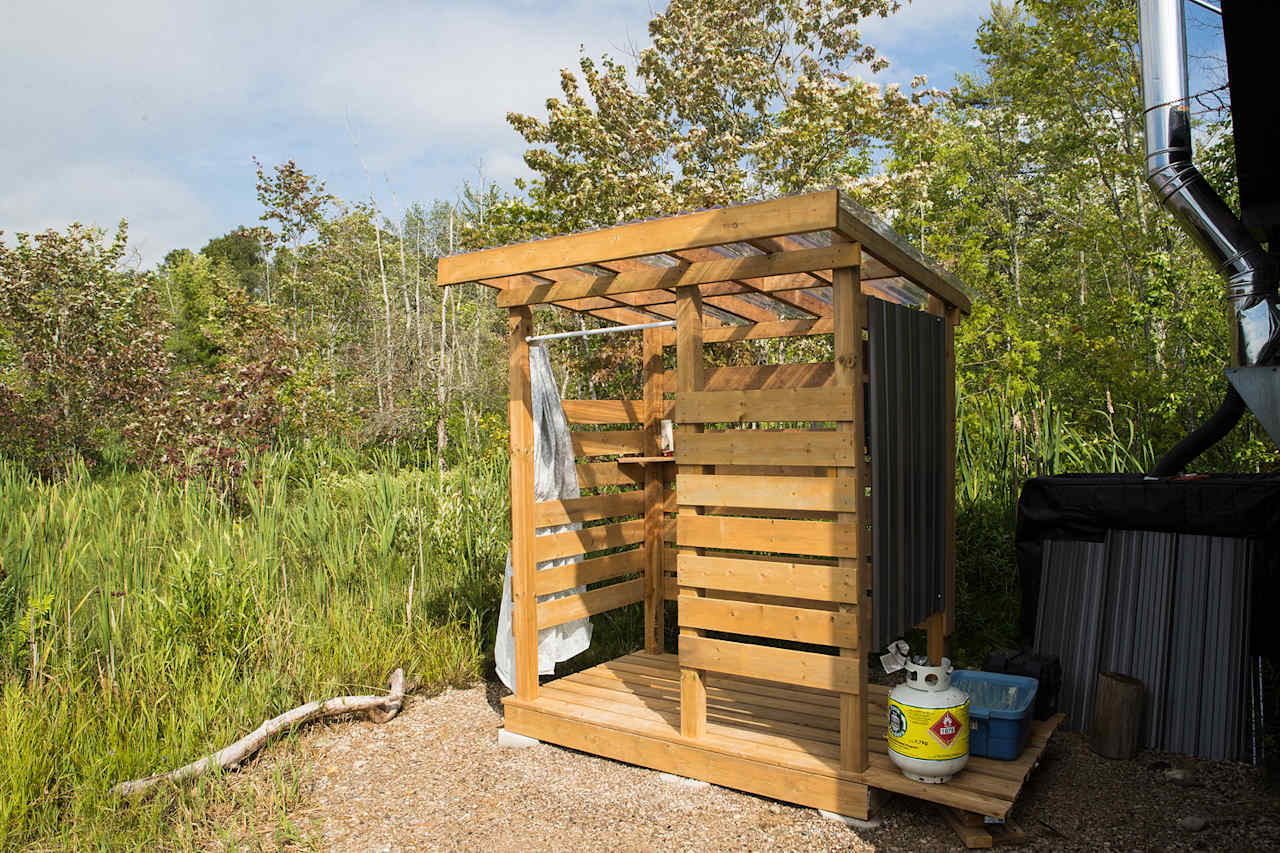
{"x": 435, "y": 779}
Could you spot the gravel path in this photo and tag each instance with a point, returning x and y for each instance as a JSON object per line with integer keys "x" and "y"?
{"x": 435, "y": 779}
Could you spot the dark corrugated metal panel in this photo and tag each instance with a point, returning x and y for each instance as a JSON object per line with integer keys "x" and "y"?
{"x": 1135, "y": 617}
{"x": 1166, "y": 608}
{"x": 908, "y": 467}
{"x": 1206, "y": 698}
{"x": 1070, "y": 609}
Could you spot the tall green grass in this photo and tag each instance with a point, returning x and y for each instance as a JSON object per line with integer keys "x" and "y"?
{"x": 1002, "y": 440}
{"x": 144, "y": 622}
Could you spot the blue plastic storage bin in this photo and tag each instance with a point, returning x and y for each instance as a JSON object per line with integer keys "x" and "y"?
{"x": 999, "y": 711}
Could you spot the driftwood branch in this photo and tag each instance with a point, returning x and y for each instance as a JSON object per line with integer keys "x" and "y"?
{"x": 380, "y": 710}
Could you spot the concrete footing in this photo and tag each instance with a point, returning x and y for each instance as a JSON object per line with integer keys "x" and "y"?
{"x": 852, "y": 822}
{"x": 515, "y": 741}
{"x": 683, "y": 781}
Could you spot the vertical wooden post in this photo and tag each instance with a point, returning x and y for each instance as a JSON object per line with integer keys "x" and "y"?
{"x": 654, "y": 601}
{"x": 689, "y": 377}
{"x": 942, "y": 623}
{"x": 850, "y": 313}
{"x": 936, "y": 637}
{"x": 524, "y": 615}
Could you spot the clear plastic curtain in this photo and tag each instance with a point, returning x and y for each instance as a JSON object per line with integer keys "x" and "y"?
{"x": 555, "y": 477}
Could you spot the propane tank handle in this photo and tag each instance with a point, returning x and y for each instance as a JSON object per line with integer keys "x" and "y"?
{"x": 934, "y": 679}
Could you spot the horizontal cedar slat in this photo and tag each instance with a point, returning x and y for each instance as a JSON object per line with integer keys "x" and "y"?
{"x": 775, "y": 471}
{"x": 767, "y": 577}
{"x": 782, "y": 404}
{"x": 590, "y": 508}
{"x": 807, "y": 669}
{"x": 759, "y": 331}
{"x": 777, "y": 447}
{"x": 603, "y": 411}
{"x": 556, "y": 545}
{"x": 583, "y": 572}
{"x": 769, "y": 512}
{"x": 607, "y": 443}
{"x": 779, "y": 600}
{"x": 595, "y": 475}
{"x": 826, "y": 494}
{"x": 760, "y": 377}
{"x": 801, "y": 624}
{"x": 700, "y": 272}
{"x": 589, "y": 603}
{"x": 785, "y": 536}
{"x": 792, "y": 215}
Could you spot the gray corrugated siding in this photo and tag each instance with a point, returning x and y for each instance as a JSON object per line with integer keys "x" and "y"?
{"x": 1070, "y": 609}
{"x": 1166, "y": 608}
{"x": 908, "y": 467}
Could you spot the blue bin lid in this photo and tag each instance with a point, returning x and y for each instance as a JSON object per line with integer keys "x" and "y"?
{"x": 996, "y": 694}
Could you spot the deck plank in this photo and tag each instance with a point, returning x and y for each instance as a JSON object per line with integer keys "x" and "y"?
{"x": 795, "y": 729}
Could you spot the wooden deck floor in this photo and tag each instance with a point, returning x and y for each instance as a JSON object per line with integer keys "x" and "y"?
{"x": 771, "y": 739}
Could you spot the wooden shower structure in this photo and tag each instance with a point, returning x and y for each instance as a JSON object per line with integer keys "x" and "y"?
{"x": 760, "y": 524}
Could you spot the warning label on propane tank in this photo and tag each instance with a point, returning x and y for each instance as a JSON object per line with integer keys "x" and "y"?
{"x": 934, "y": 734}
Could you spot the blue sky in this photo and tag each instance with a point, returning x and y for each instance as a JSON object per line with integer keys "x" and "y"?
{"x": 150, "y": 110}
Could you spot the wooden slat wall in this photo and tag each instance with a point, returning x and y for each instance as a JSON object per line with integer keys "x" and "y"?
{"x": 747, "y": 566}
{"x": 624, "y": 514}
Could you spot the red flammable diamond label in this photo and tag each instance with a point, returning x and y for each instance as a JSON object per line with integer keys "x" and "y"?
{"x": 945, "y": 729}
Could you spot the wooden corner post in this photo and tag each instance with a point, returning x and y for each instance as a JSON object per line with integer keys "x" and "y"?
{"x": 849, "y": 308}
{"x": 654, "y": 600}
{"x": 938, "y": 625}
{"x": 689, "y": 377}
{"x": 524, "y": 609}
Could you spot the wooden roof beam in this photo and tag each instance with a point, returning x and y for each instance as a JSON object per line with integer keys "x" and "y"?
{"x": 791, "y": 215}
{"x": 636, "y": 276}
{"x": 806, "y": 302}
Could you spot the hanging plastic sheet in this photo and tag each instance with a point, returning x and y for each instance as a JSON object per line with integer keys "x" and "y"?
{"x": 555, "y": 478}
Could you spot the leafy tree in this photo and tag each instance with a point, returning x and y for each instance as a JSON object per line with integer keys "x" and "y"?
{"x": 732, "y": 100}
{"x": 296, "y": 203}
{"x": 242, "y": 251}
{"x": 82, "y": 356}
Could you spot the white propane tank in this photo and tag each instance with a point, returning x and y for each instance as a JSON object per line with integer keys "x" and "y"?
{"x": 928, "y": 724}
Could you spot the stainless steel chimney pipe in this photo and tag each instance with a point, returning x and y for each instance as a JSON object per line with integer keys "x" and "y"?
{"x": 1251, "y": 273}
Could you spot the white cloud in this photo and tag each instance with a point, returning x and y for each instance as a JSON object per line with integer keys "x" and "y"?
{"x": 151, "y": 109}
{"x": 162, "y": 213}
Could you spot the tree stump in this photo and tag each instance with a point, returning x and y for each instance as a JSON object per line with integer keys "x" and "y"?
{"x": 1117, "y": 715}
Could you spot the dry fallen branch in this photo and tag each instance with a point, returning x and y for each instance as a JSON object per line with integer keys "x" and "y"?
{"x": 380, "y": 710}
